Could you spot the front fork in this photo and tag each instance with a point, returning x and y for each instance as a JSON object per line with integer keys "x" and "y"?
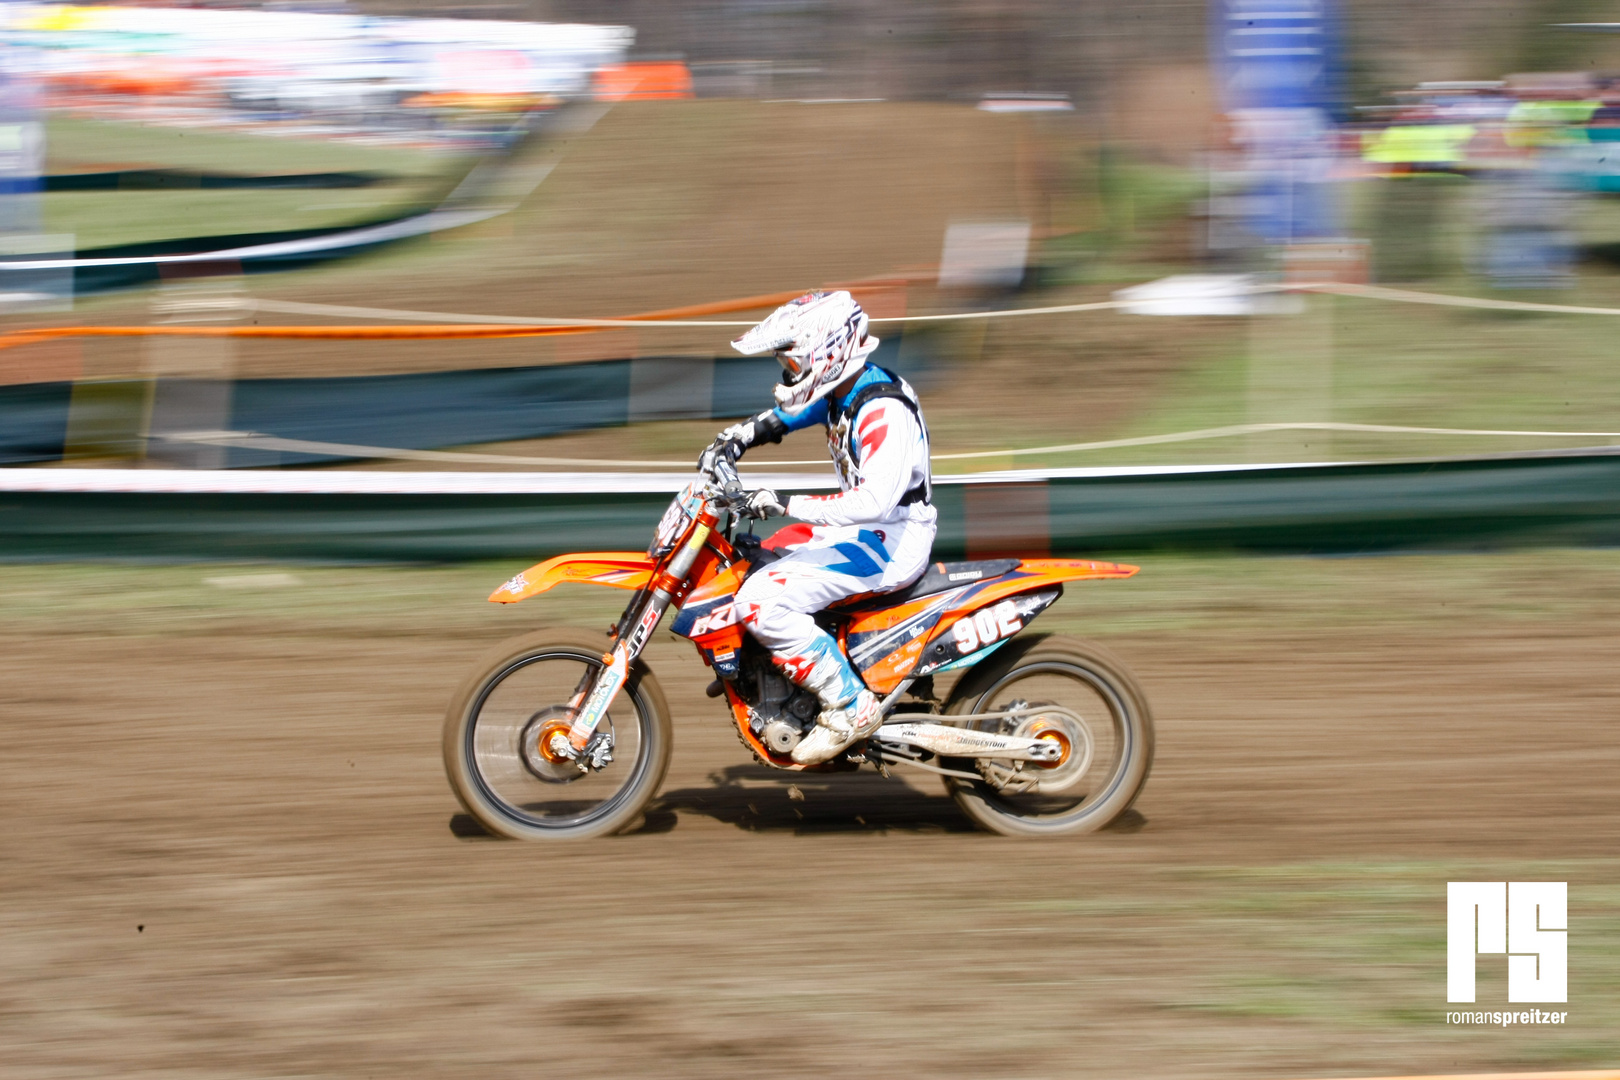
{"x": 582, "y": 744}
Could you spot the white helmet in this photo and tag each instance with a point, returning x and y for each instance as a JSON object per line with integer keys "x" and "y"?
{"x": 819, "y": 339}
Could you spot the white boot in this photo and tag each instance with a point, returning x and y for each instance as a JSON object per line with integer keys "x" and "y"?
{"x": 838, "y": 728}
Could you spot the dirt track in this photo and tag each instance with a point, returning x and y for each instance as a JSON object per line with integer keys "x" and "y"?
{"x": 234, "y": 854}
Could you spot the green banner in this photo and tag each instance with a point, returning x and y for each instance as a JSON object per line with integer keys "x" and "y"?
{"x": 1565, "y": 499}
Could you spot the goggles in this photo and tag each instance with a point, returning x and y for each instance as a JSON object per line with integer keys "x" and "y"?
{"x": 793, "y": 365}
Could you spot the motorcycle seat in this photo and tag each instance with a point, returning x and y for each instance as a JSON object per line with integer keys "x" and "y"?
{"x": 938, "y": 578}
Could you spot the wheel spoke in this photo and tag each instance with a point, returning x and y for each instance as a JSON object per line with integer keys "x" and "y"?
{"x": 508, "y": 744}
{"x": 1072, "y": 695}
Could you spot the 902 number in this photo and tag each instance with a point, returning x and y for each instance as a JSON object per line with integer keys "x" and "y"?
{"x": 986, "y": 627}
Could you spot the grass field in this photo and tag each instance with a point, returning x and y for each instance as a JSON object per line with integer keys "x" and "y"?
{"x": 101, "y": 219}
{"x": 1417, "y": 593}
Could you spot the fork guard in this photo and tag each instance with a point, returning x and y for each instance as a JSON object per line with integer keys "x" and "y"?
{"x": 967, "y": 743}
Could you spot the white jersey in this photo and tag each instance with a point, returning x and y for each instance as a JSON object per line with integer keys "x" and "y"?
{"x": 880, "y": 452}
{"x": 874, "y": 535}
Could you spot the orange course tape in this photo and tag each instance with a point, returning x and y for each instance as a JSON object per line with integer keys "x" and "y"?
{"x": 352, "y": 333}
{"x": 397, "y": 333}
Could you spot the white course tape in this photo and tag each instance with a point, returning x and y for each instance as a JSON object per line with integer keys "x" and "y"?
{"x": 1409, "y": 296}
{"x": 349, "y": 482}
{"x": 1258, "y": 429}
{"x": 1365, "y": 292}
{"x": 292, "y": 307}
{"x": 249, "y": 440}
{"x": 449, "y": 219}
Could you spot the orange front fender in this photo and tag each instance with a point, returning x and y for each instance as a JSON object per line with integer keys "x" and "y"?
{"x": 620, "y": 569}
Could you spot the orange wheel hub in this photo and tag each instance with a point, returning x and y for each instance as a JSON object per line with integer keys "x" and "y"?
{"x": 548, "y": 731}
{"x": 1048, "y": 732}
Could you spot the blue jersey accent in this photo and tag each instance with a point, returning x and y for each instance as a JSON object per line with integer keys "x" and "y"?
{"x": 816, "y": 411}
{"x": 813, "y": 413}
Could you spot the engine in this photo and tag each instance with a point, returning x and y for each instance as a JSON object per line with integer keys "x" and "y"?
{"x": 780, "y": 713}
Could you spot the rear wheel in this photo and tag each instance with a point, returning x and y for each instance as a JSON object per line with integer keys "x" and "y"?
{"x": 1068, "y": 692}
{"x": 497, "y": 737}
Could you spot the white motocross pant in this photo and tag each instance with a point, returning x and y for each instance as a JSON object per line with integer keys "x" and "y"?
{"x": 778, "y": 604}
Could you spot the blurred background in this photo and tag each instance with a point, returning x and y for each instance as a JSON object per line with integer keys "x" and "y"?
{"x": 230, "y": 848}
{"x": 614, "y": 159}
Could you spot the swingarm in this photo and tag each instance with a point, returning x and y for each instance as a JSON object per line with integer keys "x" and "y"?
{"x": 960, "y": 742}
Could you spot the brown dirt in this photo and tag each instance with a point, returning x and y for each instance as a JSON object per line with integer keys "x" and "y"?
{"x": 234, "y": 853}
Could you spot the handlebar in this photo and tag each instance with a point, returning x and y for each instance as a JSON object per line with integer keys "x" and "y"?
{"x": 720, "y": 469}
{"x": 725, "y": 476}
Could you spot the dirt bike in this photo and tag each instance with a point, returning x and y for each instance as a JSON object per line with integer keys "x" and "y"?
{"x": 555, "y": 736}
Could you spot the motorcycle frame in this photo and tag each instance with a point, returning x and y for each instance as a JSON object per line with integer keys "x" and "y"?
{"x": 701, "y": 553}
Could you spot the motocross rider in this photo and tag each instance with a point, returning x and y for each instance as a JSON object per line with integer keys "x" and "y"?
{"x": 874, "y": 536}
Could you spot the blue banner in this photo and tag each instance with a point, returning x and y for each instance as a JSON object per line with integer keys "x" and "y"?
{"x": 1277, "y": 67}
{"x": 1276, "y": 54}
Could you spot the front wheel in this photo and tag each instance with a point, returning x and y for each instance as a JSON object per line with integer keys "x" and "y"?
{"x": 1074, "y": 694}
{"x": 497, "y": 734}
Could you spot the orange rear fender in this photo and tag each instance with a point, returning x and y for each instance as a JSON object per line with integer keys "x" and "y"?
{"x": 908, "y": 627}
{"x": 620, "y": 569}
{"x": 1075, "y": 569}
{"x": 1031, "y": 575}
{"x": 994, "y": 610}
{"x": 1034, "y": 574}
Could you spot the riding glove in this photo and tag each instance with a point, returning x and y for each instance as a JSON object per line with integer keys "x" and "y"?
{"x": 767, "y": 427}
{"x": 763, "y": 503}
{"x": 735, "y": 440}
